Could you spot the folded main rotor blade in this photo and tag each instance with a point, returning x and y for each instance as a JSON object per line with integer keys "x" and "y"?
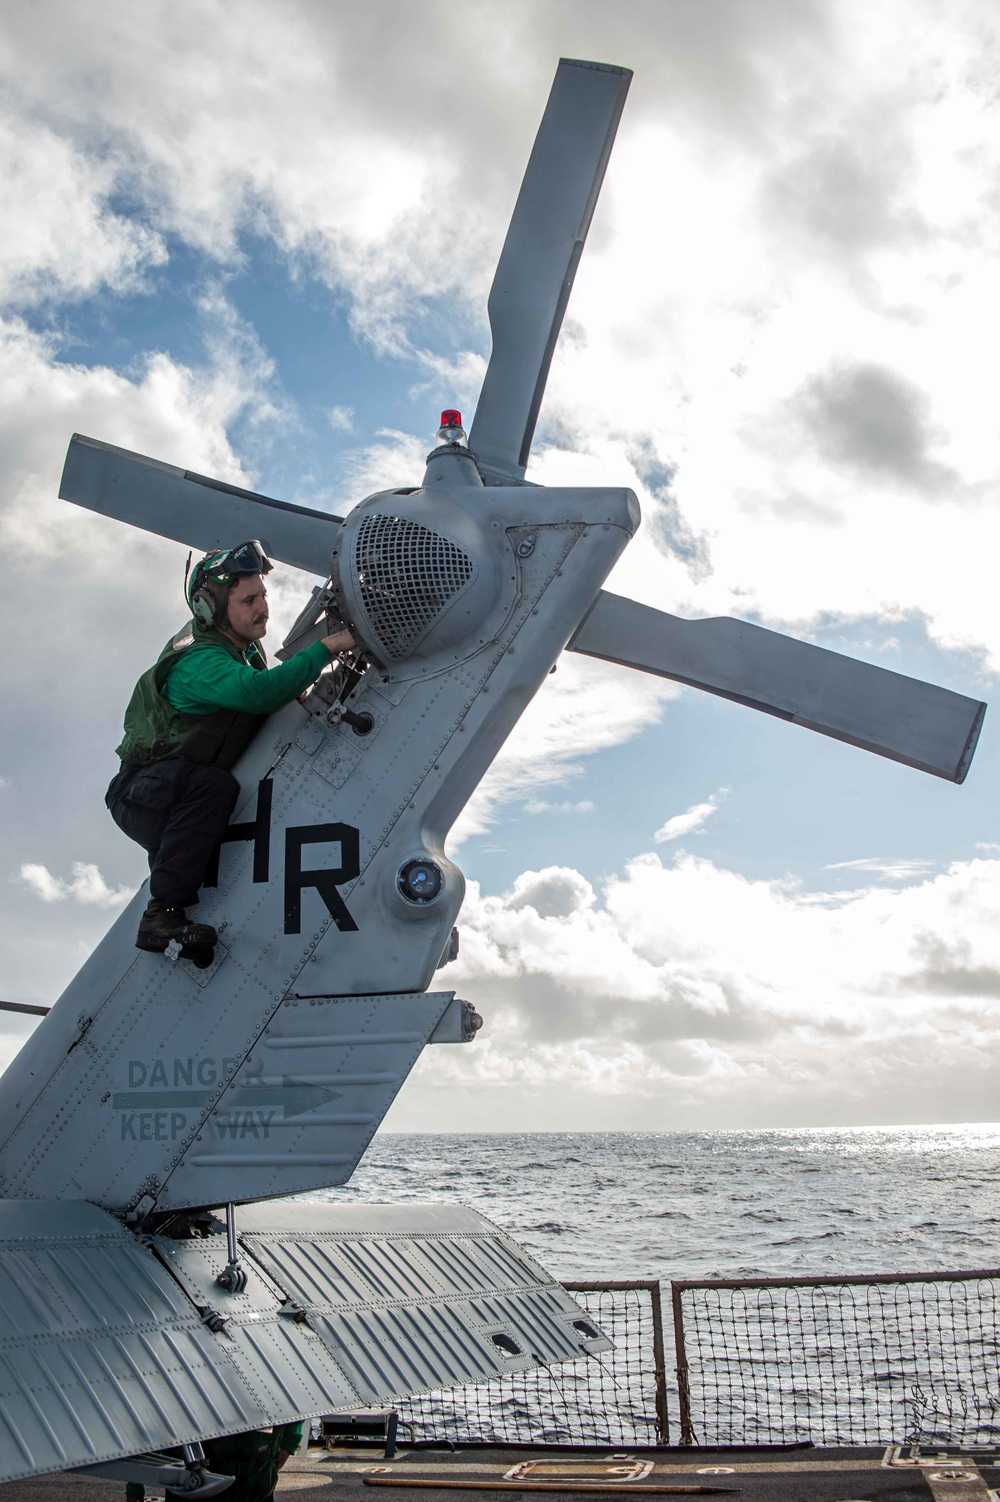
{"x": 191, "y": 509}
{"x": 917, "y": 723}
{"x": 535, "y": 273}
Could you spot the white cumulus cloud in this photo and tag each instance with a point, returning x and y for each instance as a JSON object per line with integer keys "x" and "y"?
{"x": 86, "y": 885}
{"x": 687, "y": 993}
{"x": 585, "y": 707}
{"x": 61, "y": 238}
{"x": 686, "y": 823}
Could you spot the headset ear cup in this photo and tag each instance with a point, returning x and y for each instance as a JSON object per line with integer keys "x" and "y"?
{"x": 203, "y": 608}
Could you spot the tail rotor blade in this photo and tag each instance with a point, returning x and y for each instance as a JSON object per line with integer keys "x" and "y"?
{"x": 905, "y": 719}
{"x": 535, "y": 273}
{"x": 191, "y": 509}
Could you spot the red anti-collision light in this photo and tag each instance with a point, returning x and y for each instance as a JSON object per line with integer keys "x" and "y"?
{"x": 451, "y": 419}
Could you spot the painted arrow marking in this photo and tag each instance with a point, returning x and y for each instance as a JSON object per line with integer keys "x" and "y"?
{"x": 293, "y": 1098}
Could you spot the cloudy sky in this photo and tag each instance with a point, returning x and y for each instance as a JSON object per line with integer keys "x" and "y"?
{"x": 257, "y": 241}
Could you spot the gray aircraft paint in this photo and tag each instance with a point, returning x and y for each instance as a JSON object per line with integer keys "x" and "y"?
{"x": 345, "y": 1306}
{"x": 296, "y": 968}
{"x": 463, "y": 594}
{"x": 153, "y": 1087}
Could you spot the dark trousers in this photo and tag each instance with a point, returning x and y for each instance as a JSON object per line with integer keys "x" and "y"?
{"x": 177, "y": 810}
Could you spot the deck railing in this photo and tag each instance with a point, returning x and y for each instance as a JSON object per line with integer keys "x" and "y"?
{"x": 617, "y": 1398}
{"x": 866, "y": 1359}
{"x": 871, "y": 1359}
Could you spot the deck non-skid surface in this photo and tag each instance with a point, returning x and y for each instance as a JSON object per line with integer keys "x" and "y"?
{"x": 834, "y": 1475}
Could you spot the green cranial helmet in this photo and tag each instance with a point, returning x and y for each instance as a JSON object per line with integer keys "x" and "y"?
{"x": 221, "y": 568}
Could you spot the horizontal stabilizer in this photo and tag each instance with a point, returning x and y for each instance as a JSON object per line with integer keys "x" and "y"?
{"x": 292, "y": 1108}
{"x": 111, "y": 1346}
{"x": 905, "y": 719}
{"x": 191, "y": 509}
{"x": 540, "y": 256}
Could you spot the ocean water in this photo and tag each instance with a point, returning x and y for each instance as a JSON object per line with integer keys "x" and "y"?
{"x": 714, "y": 1204}
{"x": 878, "y": 1363}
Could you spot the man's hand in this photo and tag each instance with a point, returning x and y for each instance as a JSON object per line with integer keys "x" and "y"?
{"x": 284, "y": 1454}
{"x": 343, "y": 641}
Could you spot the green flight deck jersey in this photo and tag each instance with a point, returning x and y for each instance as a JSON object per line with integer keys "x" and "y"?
{"x": 205, "y": 697}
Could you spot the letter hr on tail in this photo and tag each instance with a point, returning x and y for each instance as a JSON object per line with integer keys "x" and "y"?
{"x": 326, "y": 880}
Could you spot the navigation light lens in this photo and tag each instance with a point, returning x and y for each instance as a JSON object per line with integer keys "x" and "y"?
{"x": 420, "y": 881}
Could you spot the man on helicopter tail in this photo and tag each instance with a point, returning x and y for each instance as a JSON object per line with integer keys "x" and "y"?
{"x": 190, "y": 716}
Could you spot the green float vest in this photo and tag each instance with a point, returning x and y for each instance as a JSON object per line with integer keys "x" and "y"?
{"x": 155, "y": 730}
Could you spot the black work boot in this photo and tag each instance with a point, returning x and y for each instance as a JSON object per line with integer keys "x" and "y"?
{"x": 160, "y": 925}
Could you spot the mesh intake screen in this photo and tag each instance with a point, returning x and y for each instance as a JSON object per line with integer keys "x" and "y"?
{"x": 407, "y": 575}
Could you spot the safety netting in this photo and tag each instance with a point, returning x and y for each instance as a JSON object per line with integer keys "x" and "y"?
{"x": 886, "y": 1359}
{"x": 614, "y": 1398}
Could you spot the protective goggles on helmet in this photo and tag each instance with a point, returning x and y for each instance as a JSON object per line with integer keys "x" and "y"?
{"x": 248, "y": 558}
